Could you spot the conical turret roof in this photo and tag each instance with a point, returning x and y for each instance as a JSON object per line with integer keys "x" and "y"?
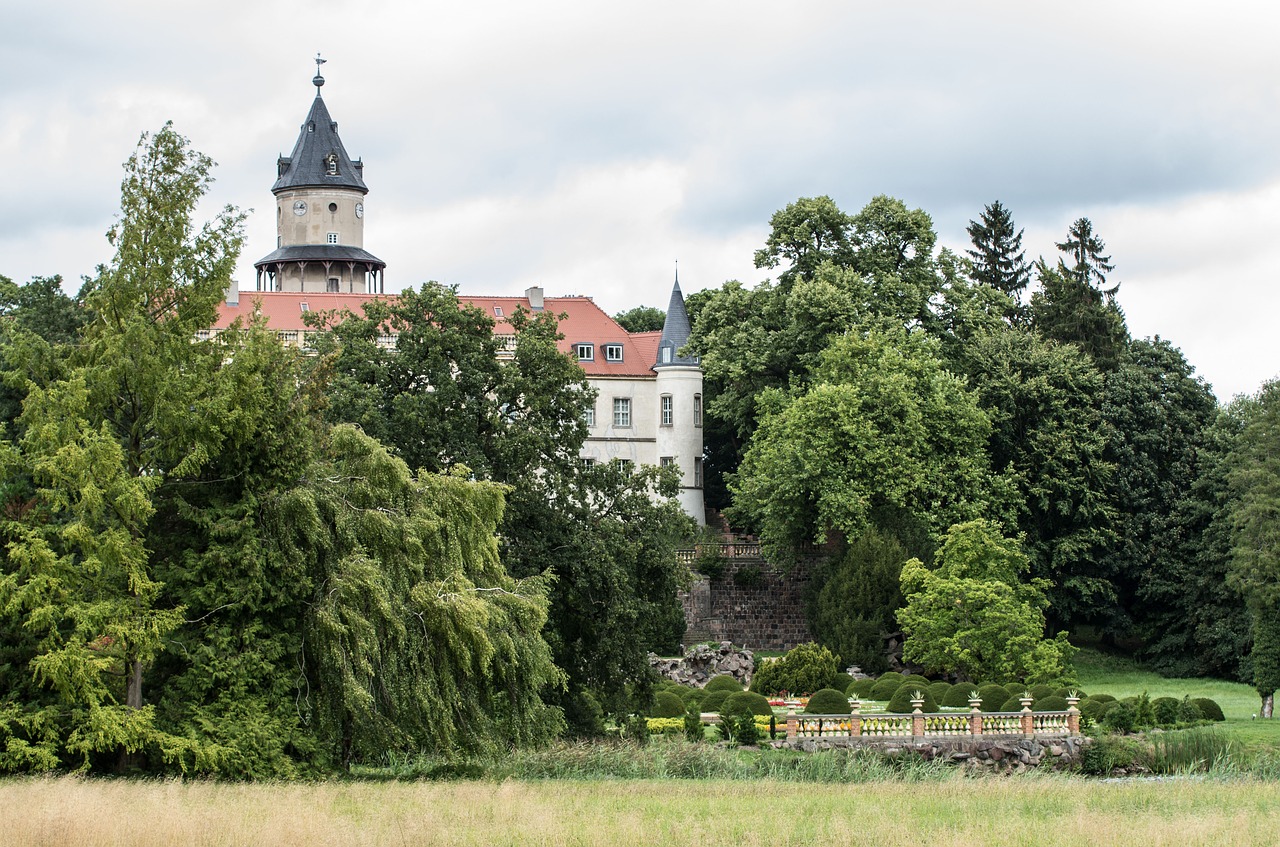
{"x": 319, "y": 160}
{"x": 675, "y": 332}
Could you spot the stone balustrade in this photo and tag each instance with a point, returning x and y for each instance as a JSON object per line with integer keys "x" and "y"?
{"x": 1026, "y": 723}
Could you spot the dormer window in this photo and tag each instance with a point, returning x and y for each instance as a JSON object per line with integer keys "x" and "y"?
{"x": 665, "y": 356}
{"x": 331, "y": 164}
{"x": 311, "y": 126}
{"x": 613, "y": 352}
{"x": 586, "y": 352}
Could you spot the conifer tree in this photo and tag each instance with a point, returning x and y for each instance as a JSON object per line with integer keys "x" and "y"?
{"x": 998, "y": 259}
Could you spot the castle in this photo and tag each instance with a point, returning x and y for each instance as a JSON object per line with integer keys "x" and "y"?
{"x": 648, "y": 408}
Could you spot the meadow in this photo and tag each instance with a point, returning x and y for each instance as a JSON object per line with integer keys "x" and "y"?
{"x": 1042, "y": 810}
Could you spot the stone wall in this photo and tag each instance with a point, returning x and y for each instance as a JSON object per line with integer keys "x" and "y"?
{"x": 701, "y": 664}
{"x": 751, "y": 603}
{"x": 994, "y": 753}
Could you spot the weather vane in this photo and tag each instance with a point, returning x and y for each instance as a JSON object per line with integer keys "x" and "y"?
{"x": 319, "y": 80}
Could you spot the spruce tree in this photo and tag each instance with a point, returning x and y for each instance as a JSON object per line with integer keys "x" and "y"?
{"x": 998, "y": 258}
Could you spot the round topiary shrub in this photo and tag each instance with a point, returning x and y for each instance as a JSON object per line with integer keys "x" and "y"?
{"x": 723, "y": 682}
{"x": 861, "y": 689}
{"x": 1091, "y": 709}
{"x": 712, "y": 700}
{"x": 1189, "y": 712}
{"x": 1014, "y": 689}
{"x": 692, "y": 697}
{"x": 1071, "y": 691}
{"x": 1121, "y": 717}
{"x": 1105, "y": 706}
{"x": 1103, "y": 698}
{"x": 1040, "y": 692}
{"x": 886, "y": 685}
{"x": 917, "y": 679}
{"x": 745, "y": 703}
{"x": 993, "y": 697}
{"x": 1209, "y": 708}
{"x": 1166, "y": 710}
{"x": 1052, "y": 703}
{"x": 840, "y": 682}
{"x": 939, "y": 690}
{"x": 667, "y": 704}
{"x": 1013, "y": 704}
{"x": 900, "y": 702}
{"x": 827, "y": 701}
{"x": 958, "y": 696}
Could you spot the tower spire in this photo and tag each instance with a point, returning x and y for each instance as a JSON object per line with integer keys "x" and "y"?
{"x": 318, "y": 80}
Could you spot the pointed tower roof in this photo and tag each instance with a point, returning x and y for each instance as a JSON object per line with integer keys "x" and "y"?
{"x": 675, "y": 332}
{"x": 319, "y": 160}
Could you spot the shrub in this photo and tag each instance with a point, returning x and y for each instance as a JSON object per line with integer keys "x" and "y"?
{"x": 1121, "y": 717}
{"x": 993, "y": 697}
{"x": 1013, "y": 704}
{"x": 917, "y": 679}
{"x": 886, "y": 685}
{"x": 1091, "y": 709}
{"x": 743, "y": 728}
{"x": 666, "y": 704}
{"x": 745, "y": 703}
{"x": 939, "y": 690}
{"x": 711, "y": 702}
{"x": 828, "y": 701}
{"x": 1071, "y": 691}
{"x": 692, "y": 697}
{"x": 840, "y": 682}
{"x": 1103, "y": 698}
{"x": 1108, "y": 753}
{"x": 1040, "y": 692}
{"x": 693, "y": 729}
{"x": 1166, "y": 710}
{"x": 636, "y": 729}
{"x": 806, "y": 668}
{"x": 862, "y": 689}
{"x": 1189, "y": 712}
{"x": 1014, "y": 689}
{"x": 900, "y": 702}
{"x": 665, "y": 726}
{"x": 1105, "y": 706}
{"x": 1052, "y": 703}
{"x": 958, "y": 696}
{"x": 1209, "y": 708}
{"x": 723, "y": 682}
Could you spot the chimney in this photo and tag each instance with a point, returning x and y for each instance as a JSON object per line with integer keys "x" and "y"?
{"x": 233, "y": 294}
{"x": 534, "y": 294}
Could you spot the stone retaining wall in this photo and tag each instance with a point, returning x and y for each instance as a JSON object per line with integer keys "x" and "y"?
{"x": 987, "y": 752}
{"x": 751, "y": 603}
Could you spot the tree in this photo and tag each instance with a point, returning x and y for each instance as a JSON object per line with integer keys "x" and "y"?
{"x": 805, "y": 234}
{"x": 893, "y": 249}
{"x": 1089, "y": 266}
{"x": 1255, "y": 521}
{"x": 1068, "y": 309}
{"x": 974, "y": 615}
{"x": 855, "y": 598}
{"x": 885, "y": 437}
{"x": 642, "y": 319}
{"x": 998, "y": 259}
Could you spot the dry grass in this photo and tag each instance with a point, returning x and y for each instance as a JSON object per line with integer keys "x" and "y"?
{"x": 1043, "y": 811}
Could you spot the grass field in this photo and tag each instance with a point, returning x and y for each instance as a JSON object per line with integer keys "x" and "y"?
{"x": 71, "y": 812}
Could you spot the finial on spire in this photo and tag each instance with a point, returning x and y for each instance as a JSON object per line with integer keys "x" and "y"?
{"x": 677, "y": 271}
{"x": 318, "y": 80}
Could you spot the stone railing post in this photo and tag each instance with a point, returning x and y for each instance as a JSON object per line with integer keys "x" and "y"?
{"x": 793, "y": 725}
{"x": 917, "y": 716}
{"x": 975, "y": 715}
{"x": 1073, "y": 716}
{"x": 855, "y": 719}
{"x": 1028, "y": 721}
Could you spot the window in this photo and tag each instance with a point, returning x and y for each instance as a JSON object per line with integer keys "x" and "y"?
{"x": 589, "y": 416}
{"x": 697, "y": 472}
{"x": 622, "y": 411}
{"x": 697, "y": 410}
{"x": 497, "y": 311}
{"x": 587, "y": 462}
{"x": 613, "y": 352}
{"x": 623, "y": 465}
{"x": 331, "y": 164}
{"x": 668, "y": 414}
{"x": 667, "y": 462}
{"x": 332, "y": 285}
{"x": 305, "y": 307}
{"x": 665, "y": 356}
{"x": 332, "y": 238}
{"x": 586, "y": 352}
{"x": 333, "y": 207}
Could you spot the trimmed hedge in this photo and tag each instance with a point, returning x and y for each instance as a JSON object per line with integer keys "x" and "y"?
{"x": 1209, "y": 708}
{"x": 900, "y": 702}
{"x": 1092, "y": 709}
{"x": 1104, "y": 698}
{"x": 918, "y": 679}
{"x": 667, "y": 704}
{"x": 723, "y": 682}
{"x": 1040, "y": 692}
{"x": 1166, "y": 710}
{"x": 746, "y": 703}
{"x": 958, "y": 696}
{"x": 1014, "y": 689}
{"x": 1013, "y": 704}
{"x": 828, "y": 701}
{"x": 939, "y": 690}
{"x": 861, "y": 689}
{"x": 712, "y": 701}
{"x": 840, "y": 682}
{"x": 886, "y": 685}
{"x": 1052, "y": 703}
{"x": 993, "y": 697}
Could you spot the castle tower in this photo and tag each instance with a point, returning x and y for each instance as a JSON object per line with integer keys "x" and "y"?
{"x": 320, "y": 215}
{"x": 680, "y": 405}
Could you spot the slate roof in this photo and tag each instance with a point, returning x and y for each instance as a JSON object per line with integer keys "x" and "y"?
{"x": 675, "y": 331}
{"x": 306, "y": 167}
{"x": 320, "y": 253}
{"x": 581, "y": 321}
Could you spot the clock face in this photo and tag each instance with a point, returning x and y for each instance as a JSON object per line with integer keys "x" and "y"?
{"x": 300, "y": 207}
{"x": 359, "y": 210}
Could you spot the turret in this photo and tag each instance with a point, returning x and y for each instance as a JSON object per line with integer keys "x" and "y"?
{"x": 680, "y": 404}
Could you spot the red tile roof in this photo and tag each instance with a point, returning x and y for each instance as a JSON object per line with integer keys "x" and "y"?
{"x": 581, "y": 321}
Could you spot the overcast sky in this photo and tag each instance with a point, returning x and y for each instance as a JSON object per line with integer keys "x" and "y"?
{"x": 586, "y": 147}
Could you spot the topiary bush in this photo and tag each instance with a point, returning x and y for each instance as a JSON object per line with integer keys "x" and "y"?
{"x": 1103, "y": 698}
{"x": 1166, "y": 710}
{"x": 828, "y": 701}
{"x": 1052, "y": 703}
{"x": 861, "y": 689}
{"x": 745, "y": 703}
{"x": 886, "y": 685}
{"x": 711, "y": 701}
{"x": 1209, "y": 708}
{"x": 723, "y": 682}
{"x": 1014, "y": 689}
{"x": 1013, "y": 704}
{"x": 958, "y": 696}
{"x": 692, "y": 697}
{"x": 939, "y": 690}
{"x": 1189, "y": 712}
{"x": 1121, "y": 717}
{"x": 808, "y": 667}
{"x": 993, "y": 697}
{"x": 1039, "y": 692}
{"x": 666, "y": 704}
{"x": 1091, "y": 709}
{"x": 917, "y": 679}
{"x": 900, "y": 702}
{"x": 1071, "y": 691}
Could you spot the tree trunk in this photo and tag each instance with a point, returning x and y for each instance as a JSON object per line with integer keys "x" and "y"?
{"x": 1268, "y": 704}
{"x": 133, "y": 694}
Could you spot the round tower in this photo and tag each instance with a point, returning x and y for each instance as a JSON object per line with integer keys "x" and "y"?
{"x": 680, "y": 405}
